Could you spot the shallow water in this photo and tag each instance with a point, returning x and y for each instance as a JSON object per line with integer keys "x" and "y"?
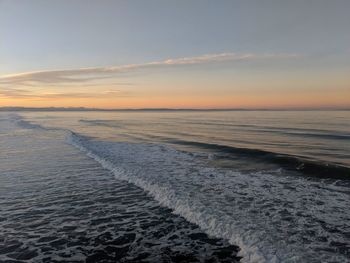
{"x": 276, "y": 184}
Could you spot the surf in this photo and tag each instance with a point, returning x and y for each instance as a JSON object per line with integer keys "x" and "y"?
{"x": 261, "y": 212}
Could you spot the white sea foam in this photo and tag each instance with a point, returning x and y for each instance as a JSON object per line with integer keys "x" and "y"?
{"x": 271, "y": 218}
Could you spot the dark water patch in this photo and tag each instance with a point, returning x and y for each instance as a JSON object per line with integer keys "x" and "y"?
{"x": 308, "y": 167}
{"x": 305, "y": 133}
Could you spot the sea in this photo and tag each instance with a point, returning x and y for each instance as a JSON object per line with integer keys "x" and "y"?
{"x": 175, "y": 186}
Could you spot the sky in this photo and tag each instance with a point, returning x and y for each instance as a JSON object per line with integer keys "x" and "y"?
{"x": 175, "y": 54}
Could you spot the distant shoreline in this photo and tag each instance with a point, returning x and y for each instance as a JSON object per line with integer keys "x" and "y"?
{"x": 163, "y": 109}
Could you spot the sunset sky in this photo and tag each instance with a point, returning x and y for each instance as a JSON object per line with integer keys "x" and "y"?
{"x": 175, "y": 54}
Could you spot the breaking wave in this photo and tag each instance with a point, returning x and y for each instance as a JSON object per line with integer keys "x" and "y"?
{"x": 308, "y": 167}
{"x": 266, "y": 215}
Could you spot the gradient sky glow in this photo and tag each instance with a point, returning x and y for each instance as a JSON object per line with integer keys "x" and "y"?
{"x": 175, "y": 54}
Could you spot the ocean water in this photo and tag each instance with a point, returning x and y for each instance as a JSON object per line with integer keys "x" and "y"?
{"x": 175, "y": 186}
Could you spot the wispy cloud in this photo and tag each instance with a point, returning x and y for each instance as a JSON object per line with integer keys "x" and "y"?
{"x": 101, "y": 94}
{"x": 88, "y": 75}
{"x": 27, "y": 94}
{"x": 14, "y": 93}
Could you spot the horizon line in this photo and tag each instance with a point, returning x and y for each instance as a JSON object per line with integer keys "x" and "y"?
{"x": 20, "y": 108}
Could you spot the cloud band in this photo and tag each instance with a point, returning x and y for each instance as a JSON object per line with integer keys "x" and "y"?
{"x": 83, "y": 75}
